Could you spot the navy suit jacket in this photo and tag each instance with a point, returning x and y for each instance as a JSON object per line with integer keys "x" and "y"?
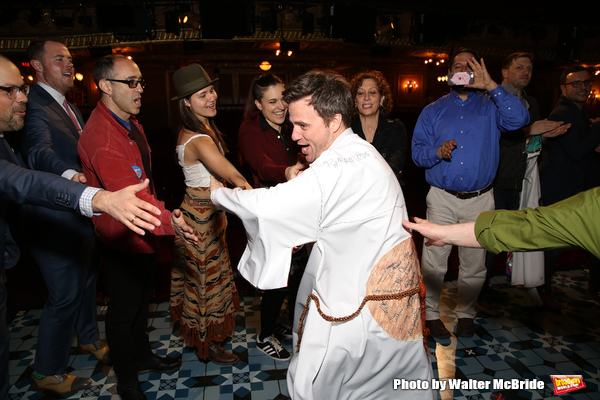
{"x": 49, "y": 144}
{"x": 19, "y": 185}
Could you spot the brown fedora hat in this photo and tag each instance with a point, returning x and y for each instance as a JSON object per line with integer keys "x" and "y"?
{"x": 189, "y": 80}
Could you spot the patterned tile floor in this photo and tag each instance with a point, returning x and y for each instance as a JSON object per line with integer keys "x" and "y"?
{"x": 525, "y": 342}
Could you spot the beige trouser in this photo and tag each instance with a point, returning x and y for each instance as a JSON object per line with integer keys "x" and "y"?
{"x": 445, "y": 208}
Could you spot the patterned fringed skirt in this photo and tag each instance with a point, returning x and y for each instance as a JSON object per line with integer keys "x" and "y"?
{"x": 203, "y": 293}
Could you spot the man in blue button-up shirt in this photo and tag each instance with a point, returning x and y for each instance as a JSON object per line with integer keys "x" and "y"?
{"x": 456, "y": 139}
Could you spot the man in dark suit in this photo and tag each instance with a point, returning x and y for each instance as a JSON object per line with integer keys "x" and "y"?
{"x": 63, "y": 251}
{"x": 19, "y": 185}
{"x": 570, "y": 162}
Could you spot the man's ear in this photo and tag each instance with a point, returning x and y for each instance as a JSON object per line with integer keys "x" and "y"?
{"x": 563, "y": 89}
{"x": 104, "y": 86}
{"x": 336, "y": 123}
{"x": 504, "y": 73}
{"x": 36, "y": 65}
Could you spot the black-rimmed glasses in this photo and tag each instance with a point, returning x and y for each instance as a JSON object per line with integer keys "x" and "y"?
{"x": 132, "y": 83}
{"x": 13, "y": 91}
{"x": 577, "y": 84}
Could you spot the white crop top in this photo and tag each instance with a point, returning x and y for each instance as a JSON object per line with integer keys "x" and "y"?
{"x": 196, "y": 175}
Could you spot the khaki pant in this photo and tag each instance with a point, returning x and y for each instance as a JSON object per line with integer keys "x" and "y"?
{"x": 445, "y": 208}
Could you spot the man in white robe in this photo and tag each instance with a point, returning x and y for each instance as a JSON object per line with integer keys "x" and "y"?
{"x": 349, "y": 203}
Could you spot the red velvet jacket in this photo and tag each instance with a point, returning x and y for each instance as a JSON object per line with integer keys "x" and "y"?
{"x": 263, "y": 151}
{"x": 109, "y": 159}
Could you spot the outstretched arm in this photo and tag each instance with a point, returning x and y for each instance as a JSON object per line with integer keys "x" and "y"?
{"x": 124, "y": 206}
{"x": 203, "y": 149}
{"x": 439, "y": 235}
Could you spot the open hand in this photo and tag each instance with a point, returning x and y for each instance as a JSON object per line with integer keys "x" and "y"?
{"x": 127, "y": 208}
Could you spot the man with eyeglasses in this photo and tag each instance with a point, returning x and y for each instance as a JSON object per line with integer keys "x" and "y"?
{"x": 570, "y": 162}
{"x": 65, "y": 251}
{"x": 114, "y": 153}
{"x": 19, "y": 186}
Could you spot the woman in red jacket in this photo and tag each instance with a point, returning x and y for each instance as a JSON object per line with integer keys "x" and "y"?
{"x": 266, "y": 146}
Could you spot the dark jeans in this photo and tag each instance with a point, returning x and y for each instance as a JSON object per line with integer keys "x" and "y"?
{"x": 130, "y": 283}
{"x": 270, "y": 307}
{"x": 272, "y": 300}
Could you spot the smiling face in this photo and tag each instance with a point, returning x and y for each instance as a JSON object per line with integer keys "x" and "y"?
{"x": 577, "y": 95}
{"x": 310, "y": 130}
{"x": 55, "y": 69}
{"x": 272, "y": 106}
{"x": 203, "y": 103}
{"x": 12, "y": 111}
{"x": 368, "y": 98}
{"x": 119, "y": 97}
{"x": 518, "y": 75}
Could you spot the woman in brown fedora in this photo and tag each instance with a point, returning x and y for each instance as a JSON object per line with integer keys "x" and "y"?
{"x": 203, "y": 293}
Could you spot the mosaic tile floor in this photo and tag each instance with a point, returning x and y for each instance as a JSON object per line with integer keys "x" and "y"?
{"x": 525, "y": 342}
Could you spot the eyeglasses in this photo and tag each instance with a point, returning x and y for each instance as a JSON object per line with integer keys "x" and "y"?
{"x": 132, "y": 83}
{"x": 577, "y": 84}
{"x": 13, "y": 91}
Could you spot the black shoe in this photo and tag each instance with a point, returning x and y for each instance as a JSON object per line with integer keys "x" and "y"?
{"x": 437, "y": 329}
{"x": 465, "y": 328}
{"x": 130, "y": 390}
{"x": 283, "y": 330}
{"x": 159, "y": 364}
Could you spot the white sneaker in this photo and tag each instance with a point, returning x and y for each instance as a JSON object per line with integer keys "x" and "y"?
{"x": 271, "y": 347}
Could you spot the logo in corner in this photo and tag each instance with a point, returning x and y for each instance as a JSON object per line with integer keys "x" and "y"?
{"x": 567, "y": 383}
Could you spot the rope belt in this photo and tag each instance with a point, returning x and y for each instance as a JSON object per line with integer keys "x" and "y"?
{"x": 370, "y": 297}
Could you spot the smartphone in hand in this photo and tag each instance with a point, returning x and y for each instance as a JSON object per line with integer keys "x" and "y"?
{"x": 460, "y": 78}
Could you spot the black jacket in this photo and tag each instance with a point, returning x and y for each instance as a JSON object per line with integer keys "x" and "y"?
{"x": 513, "y": 158}
{"x": 390, "y": 140}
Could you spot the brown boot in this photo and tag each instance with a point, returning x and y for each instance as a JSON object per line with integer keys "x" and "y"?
{"x": 99, "y": 349}
{"x": 60, "y": 384}
{"x": 219, "y": 355}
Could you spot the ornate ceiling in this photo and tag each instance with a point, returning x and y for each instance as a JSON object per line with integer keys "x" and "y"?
{"x": 240, "y": 30}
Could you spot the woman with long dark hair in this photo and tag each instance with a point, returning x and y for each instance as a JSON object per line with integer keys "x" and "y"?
{"x": 266, "y": 146}
{"x": 203, "y": 293}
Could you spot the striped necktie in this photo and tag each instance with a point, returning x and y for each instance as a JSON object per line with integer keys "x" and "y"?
{"x": 72, "y": 116}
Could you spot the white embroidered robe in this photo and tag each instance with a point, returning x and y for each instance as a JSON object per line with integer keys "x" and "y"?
{"x": 349, "y": 203}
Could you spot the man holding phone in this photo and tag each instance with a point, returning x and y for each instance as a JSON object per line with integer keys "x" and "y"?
{"x": 456, "y": 139}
